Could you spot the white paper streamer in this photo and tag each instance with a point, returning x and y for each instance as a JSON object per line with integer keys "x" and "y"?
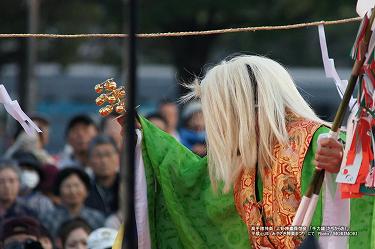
{"x": 329, "y": 67}
{"x": 141, "y": 208}
{"x": 14, "y": 109}
{"x": 336, "y": 212}
{"x": 310, "y": 210}
{"x": 364, "y": 6}
{"x": 301, "y": 211}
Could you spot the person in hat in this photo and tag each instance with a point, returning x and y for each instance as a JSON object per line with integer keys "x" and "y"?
{"x": 192, "y": 132}
{"x": 10, "y": 204}
{"x": 47, "y": 184}
{"x": 20, "y": 232}
{"x": 31, "y": 178}
{"x": 101, "y": 238}
{"x": 31, "y": 172}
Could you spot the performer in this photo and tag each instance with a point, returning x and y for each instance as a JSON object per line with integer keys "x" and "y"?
{"x": 263, "y": 147}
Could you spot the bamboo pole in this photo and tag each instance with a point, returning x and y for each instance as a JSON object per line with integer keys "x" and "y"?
{"x": 308, "y": 203}
{"x": 317, "y": 179}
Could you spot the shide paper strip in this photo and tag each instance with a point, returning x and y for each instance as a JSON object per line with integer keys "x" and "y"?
{"x": 14, "y": 109}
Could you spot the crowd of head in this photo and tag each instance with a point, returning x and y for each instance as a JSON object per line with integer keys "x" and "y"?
{"x": 70, "y": 200}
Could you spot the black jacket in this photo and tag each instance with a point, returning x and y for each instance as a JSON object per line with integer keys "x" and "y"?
{"x": 104, "y": 199}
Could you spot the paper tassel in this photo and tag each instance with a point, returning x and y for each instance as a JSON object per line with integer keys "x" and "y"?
{"x": 358, "y": 168}
{"x": 14, "y": 109}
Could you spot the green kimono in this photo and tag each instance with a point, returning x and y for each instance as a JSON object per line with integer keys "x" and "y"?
{"x": 184, "y": 212}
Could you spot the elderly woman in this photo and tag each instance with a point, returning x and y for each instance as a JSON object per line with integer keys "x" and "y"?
{"x": 10, "y": 204}
{"x": 262, "y": 140}
{"x": 72, "y": 186}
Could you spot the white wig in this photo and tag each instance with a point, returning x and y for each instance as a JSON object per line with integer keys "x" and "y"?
{"x": 244, "y": 103}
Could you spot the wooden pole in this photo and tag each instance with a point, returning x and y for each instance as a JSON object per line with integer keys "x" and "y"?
{"x": 317, "y": 179}
{"x": 27, "y": 87}
{"x": 128, "y": 158}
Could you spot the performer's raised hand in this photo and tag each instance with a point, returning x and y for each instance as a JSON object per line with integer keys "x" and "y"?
{"x": 329, "y": 155}
{"x": 121, "y": 121}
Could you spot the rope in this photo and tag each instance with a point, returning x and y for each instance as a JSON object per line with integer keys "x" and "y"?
{"x": 185, "y": 33}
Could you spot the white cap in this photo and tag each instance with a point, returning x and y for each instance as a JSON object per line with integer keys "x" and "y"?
{"x": 101, "y": 238}
{"x": 191, "y": 108}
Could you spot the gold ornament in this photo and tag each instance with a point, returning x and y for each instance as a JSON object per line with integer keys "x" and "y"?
{"x": 121, "y": 93}
{"x": 101, "y": 99}
{"x": 114, "y": 96}
{"x": 112, "y": 99}
{"x": 99, "y": 88}
{"x": 106, "y": 110}
{"x": 110, "y": 85}
{"x": 120, "y": 109}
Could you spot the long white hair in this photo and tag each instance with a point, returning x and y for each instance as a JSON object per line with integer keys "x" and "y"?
{"x": 244, "y": 103}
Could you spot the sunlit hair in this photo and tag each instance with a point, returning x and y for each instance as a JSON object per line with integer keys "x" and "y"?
{"x": 244, "y": 103}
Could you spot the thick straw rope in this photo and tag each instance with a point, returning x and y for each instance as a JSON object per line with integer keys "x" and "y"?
{"x": 186, "y": 33}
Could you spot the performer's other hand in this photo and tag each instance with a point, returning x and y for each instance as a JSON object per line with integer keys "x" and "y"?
{"x": 329, "y": 155}
{"x": 121, "y": 121}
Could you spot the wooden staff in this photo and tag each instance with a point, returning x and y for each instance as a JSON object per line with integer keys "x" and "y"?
{"x": 308, "y": 203}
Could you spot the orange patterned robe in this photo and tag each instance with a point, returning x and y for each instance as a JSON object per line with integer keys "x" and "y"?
{"x": 281, "y": 190}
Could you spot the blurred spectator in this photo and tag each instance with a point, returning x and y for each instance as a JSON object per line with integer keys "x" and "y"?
{"x": 10, "y": 206}
{"x": 102, "y": 238}
{"x": 72, "y": 186}
{"x": 46, "y": 186}
{"x": 30, "y": 143}
{"x": 20, "y": 233}
{"x": 43, "y": 123}
{"x": 169, "y": 110}
{"x": 193, "y": 134}
{"x": 112, "y": 128}
{"x": 46, "y": 238}
{"x": 105, "y": 164}
{"x": 114, "y": 220}
{"x": 31, "y": 173}
{"x": 31, "y": 177}
{"x": 80, "y": 131}
{"x": 73, "y": 234}
{"x": 158, "y": 120}
{"x": 24, "y": 141}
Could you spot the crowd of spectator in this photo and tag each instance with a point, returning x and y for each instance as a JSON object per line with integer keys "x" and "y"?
{"x": 70, "y": 200}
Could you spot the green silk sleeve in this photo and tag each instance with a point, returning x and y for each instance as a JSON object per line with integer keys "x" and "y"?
{"x": 308, "y": 169}
{"x": 184, "y": 212}
{"x": 362, "y": 209}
